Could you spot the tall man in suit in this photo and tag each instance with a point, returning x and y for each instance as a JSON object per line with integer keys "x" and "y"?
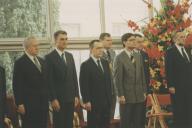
{"x": 95, "y": 83}
{"x": 130, "y": 82}
{"x": 109, "y": 55}
{"x": 30, "y": 86}
{"x": 3, "y": 119}
{"x": 63, "y": 82}
{"x": 179, "y": 77}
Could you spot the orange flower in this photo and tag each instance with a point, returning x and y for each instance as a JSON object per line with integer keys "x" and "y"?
{"x": 154, "y": 52}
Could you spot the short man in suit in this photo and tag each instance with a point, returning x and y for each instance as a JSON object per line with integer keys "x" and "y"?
{"x": 130, "y": 82}
{"x": 4, "y": 121}
{"x": 95, "y": 83}
{"x": 63, "y": 85}
{"x": 109, "y": 55}
{"x": 30, "y": 86}
{"x": 145, "y": 57}
{"x": 179, "y": 78}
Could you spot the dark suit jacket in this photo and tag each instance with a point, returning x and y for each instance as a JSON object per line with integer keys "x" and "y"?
{"x": 63, "y": 83}
{"x": 112, "y": 55}
{"x": 95, "y": 85}
{"x": 30, "y": 85}
{"x": 178, "y": 72}
{"x": 145, "y": 58}
{"x": 2, "y": 95}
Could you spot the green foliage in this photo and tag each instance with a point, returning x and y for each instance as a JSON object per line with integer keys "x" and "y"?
{"x": 21, "y": 18}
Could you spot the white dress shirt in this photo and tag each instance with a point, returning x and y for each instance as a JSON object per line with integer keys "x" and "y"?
{"x": 129, "y": 53}
{"x": 60, "y": 53}
{"x": 95, "y": 60}
{"x": 180, "y": 51}
{"x": 32, "y": 57}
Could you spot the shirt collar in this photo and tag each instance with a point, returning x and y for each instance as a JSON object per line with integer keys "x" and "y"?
{"x": 128, "y": 52}
{"x": 94, "y": 59}
{"x": 136, "y": 50}
{"x": 179, "y": 47}
{"x": 59, "y": 51}
{"x": 30, "y": 56}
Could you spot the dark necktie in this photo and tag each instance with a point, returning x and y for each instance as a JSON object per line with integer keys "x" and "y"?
{"x": 99, "y": 65}
{"x": 184, "y": 55}
{"x": 63, "y": 59}
{"x": 37, "y": 64}
{"x": 108, "y": 55}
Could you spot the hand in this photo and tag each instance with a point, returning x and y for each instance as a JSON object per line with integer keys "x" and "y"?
{"x": 145, "y": 96}
{"x": 21, "y": 109}
{"x": 7, "y": 121}
{"x": 172, "y": 90}
{"x": 76, "y": 101}
{"x": 122, "y": 100}
{"x": 55, "y": 105}
{"x": 88, "y": 106}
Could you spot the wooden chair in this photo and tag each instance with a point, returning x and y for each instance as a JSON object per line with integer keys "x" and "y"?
{"x": 156, "y": 115}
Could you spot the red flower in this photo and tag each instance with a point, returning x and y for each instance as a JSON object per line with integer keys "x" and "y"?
{"x": 154, "y": 52}
{"x": 133, "y": 25}
{"x": 154, "y": 31}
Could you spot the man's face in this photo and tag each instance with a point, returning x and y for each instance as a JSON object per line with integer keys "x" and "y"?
{"x": 97, "y": 50}
{"x": 130, "y": 43}
{"x": 107, "y": 42}
{"x": 139, "y": 42}
{"x": 180, "y": 38}
{"x": 61, "y": 41}
{"x": 33, "y": 48}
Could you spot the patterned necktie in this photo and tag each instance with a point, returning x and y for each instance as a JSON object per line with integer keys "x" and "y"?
{"x": 108, "y": 55}
{"x": 37, "y": 64}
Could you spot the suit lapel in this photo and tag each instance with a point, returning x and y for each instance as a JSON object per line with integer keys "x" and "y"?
{"x": 31, "y": 63}
{"x": 127, "y": 59}
{"x": 57, "y": 58}
{"x": 179, "y": 56}
{"x": 96, "y": 67}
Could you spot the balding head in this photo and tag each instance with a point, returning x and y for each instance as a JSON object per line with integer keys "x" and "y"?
{"x": 31, "y": 45}
{"x": 179, "y": 38}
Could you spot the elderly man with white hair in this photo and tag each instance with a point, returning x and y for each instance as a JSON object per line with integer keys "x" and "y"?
{"x": 30, "y": 86}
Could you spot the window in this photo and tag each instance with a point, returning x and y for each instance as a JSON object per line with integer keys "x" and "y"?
{"x": 118, "y": 12}
{"x": 19, "y": 18}
{"x": 80, "y": 18}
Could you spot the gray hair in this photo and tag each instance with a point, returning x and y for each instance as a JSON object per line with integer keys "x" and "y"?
{"x": 28, "y": 41}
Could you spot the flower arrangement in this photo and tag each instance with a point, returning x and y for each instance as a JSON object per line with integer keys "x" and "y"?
{"x": 172, "y": 17}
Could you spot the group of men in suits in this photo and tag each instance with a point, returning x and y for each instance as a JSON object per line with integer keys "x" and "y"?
{"x": 103, "y": 77}
{"x": 37, "y": 81}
